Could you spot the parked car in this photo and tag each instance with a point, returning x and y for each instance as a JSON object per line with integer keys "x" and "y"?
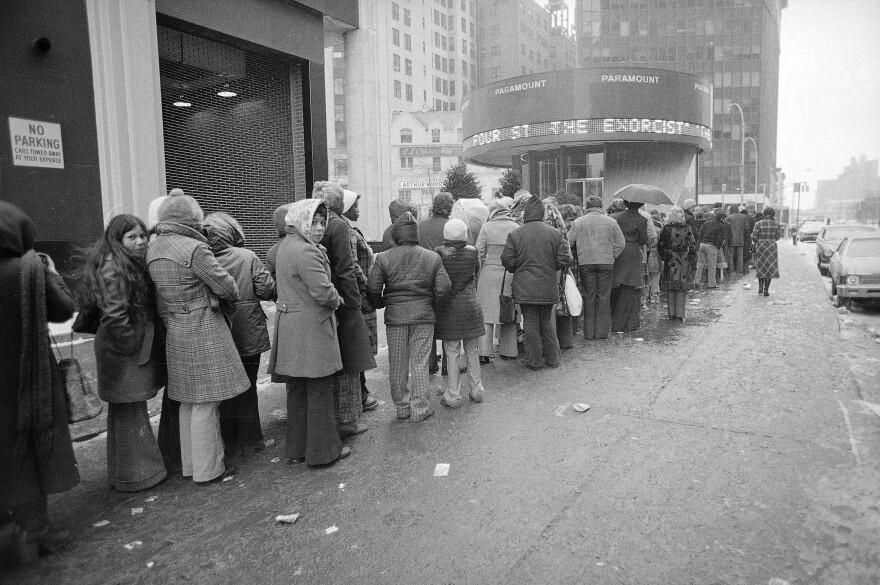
{"x": 855, "y": 269}
{"x": 829, "y": 239}
{"x": 809, "y": 230}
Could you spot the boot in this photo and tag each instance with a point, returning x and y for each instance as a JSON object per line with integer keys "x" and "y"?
{"x": 760, "y": 286}
{"x": 766, "y": 287}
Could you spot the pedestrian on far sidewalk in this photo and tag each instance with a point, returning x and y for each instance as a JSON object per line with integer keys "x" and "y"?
{"x": 765, "y": 235}
{"x": 116, "y": 288}
{"x": 362, "y": 255}
{"x": 596, "y": 240}
{"x": 240, "y": 416}
{"x": 354, "y": 339}
{"x": 533, "y": 253}
{"x": 305, "y": 350}
{"x": 459, "y": 317}
{"x": 678, "y": 251}
{"x": 204, "y": 368}
{"x": 408, "y": 281}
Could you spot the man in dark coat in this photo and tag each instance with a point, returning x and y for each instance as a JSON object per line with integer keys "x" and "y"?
{"x": 738, "y": 238}
{"x": 395, "y": 209}
{"x": 431, "y": 238}
{"x": 354, "y": 338}
{"x": 533, "y": 253}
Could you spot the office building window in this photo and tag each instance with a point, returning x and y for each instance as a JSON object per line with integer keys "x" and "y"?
{"x": 409, "y": 93}
{"x": 438, "y": 105}
{"x": 395, "y": 11}
{"x": 464, "y": 88}
{"x": 464, "y": 69}
{"x": 406, "y": 162}
{"x": 464, "y": 46}
{"x": 445, "y": 65}
{"x": 406, "y": 136}
{"x": 445, "y": 87}
{"x": 404, "y": 195}
{"x": 407, "y": 19}
{"x": 452, "y": 65}
{"x": 463, "y": 24}
{"x": 435, "y": 164}
{"x": 395, "y": 37}
{"x": 407, "y": 67}
{"x": 438, "y": 85}
{"x": 395, "y": 62}
{"x": 407, "y": 42}
{"x": 495, "y": 72}
{"x": 398, "y": 91}
{"x": 451, "y": 88}
{"x": 435, "y": 134}
{"x": 340, "y": 167}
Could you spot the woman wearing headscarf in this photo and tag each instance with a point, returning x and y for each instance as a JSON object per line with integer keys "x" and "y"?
{"x": 362, "y": 255}
{"x": 354, "y": 339}
{"x": 36, "y": 454}
{"x": 305, "y": 349}
{"x": 677, "y": 249}
{"x": 203, "y": 364}
{"x": 628, "y": 277}
{"x": 490, "y": 243}
{"x": 240, "y": 416}
{"x": 128, "y": 350}
{"x": 459, "y": 318}
{"x": 765, "y": 234}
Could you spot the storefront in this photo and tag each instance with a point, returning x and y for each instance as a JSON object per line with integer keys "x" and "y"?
{"x": 592, "y": 131}
{"x": 225, "y": 100}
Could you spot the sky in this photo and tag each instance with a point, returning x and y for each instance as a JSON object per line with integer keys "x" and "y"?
{"x": 829, "y": 87}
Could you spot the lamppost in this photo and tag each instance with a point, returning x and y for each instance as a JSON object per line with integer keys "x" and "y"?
{"x": 742, "y": 151}
{"x": 755, "y": 144}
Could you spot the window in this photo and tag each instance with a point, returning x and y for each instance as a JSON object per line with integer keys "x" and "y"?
{"x": 438, "y": 85}
{"x": 406, "y": 136}
{"x": 398, "y": 92}
{"x": 436, "y": 39}
{"x": 495, "y": 72}
{"x": 438, "y": 105}
{"x": 463, "y": 24}
{"x": 395, "y": 60}
{"x": 445, "y": 64}
{"x": 445, "y": 87}
{"x": 444, "y": 43}
{"x": 451, "y": 88}
{"x": 452, "y": 65}
{"x": 406, "y": 162}
{"x": 409, "y": 93}
{"x": 435, "y": 134}
{"x": 341, "y": 137}
{"x": 340, "y": 167}
{"x": 464, "y": 88}
{"x": 408, "y": 67}
{"x": 395, "y": 11}
{"x": 436, "y": 61}
{"x": 435, "y": 163}
{"x": 404, "y": 195}
{"x": 395, "y": 37}
{"x": 464, "y": 46}
{"x": 407, "y": 42}
{"x": 443, "y": 24}
{"x": 407, "y": 20}
{"x": 464, "y": 68}
{"x": 436, "y": 16}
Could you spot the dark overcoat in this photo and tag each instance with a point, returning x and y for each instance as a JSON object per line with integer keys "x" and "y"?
{"x": 128, "y": 348}
{"x": 628, "y": 266}
{"x": 354, "y": 337}
{"x": 459, "y": 315}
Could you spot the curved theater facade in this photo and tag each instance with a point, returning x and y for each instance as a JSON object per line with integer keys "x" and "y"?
{"x": 592, "y": 131}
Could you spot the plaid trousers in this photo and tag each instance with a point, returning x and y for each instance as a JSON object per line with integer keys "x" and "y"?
{"x": 408, "y": 349}
{"x": 347, "y": 395}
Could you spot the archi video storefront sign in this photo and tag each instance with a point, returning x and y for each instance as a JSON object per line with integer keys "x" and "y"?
{"x": 36, "y": 144}
{"x": 585, "y": 105}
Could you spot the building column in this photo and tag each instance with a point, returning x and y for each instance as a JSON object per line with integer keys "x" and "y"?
{"x": 128, "y": 104}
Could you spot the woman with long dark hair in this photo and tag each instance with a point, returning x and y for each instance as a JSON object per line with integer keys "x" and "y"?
{"x": 128, "y": 348}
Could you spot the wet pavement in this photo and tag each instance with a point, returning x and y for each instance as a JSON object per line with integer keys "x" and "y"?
{"x": 739, "y": 447}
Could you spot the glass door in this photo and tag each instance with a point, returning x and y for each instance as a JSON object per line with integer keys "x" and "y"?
{"x": 584, "y": 188}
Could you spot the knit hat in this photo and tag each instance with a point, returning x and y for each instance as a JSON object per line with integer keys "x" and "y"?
{"x": 153, "y": 211}
{"x": 182, "y": 209}
{"x": 688, "y": 203}
{"x": 455, "y": 230}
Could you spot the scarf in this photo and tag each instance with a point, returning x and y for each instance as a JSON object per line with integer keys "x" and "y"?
{"x": 35, "y": 376}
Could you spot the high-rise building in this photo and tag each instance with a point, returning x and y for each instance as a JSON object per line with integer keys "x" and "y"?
{"x": 854, "y": 194}
{"x": 733, "y": 43}
{"x": 520, "y": 37}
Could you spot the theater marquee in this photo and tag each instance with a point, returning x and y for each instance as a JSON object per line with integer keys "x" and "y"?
{"x": 585, "y": 106}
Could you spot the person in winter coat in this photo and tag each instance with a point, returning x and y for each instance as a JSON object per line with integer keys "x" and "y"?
{"x": 305, "y": 351}
{"x": 240, "y": 416}
{"x": 459, "y": 317}
{"x": 128, "y": 350}
{"x": 629, "y": 271}
{"x": 711, "y": 239}
{"x": 408, "y": 281}
{"x": 430, "y": 238}
{"x": 678, "y": 251}
{"x": 395, "y": 209}
{"x": 533, "y": 253}
{"x": 739, "y": 235}
{"x": 36, "y": 453}
{"x": 354, "y": 339}
{"x": 362, "y": 257}
{"x": 597, "y": 241}
{"x": 203, "y": 364}
{"x": 493, "y": 282}
{"x": 278, "y": 221}
{"x": 690, "y": 208}
{"x": 764, "y": 235}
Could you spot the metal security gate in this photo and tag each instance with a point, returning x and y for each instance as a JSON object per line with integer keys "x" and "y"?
{"x": 233, "y": 130}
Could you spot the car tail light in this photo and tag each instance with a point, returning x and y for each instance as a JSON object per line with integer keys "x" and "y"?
{"x": 852, "y": 280}
{"x": 828, "y": 253}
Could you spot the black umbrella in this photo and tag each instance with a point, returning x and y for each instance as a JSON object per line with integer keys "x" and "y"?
{"x": 638, "y": 193}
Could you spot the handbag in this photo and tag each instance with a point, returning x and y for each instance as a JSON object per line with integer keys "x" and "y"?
{"x": 506, "y": 309}
{"x": 570, "y": 301}
{"x": 82, "y": 401}
{"x": 87, "y": 320}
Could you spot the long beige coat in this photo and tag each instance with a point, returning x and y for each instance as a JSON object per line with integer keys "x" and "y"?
{"x": 305, "y": 343}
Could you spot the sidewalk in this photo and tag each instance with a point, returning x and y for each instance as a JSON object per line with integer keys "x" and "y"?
{"x": 733, "y": 449}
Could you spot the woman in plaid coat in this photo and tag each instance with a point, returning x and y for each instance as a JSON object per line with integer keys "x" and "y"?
{"x": 203, "y": 364}
{"x": 764, "y": 235}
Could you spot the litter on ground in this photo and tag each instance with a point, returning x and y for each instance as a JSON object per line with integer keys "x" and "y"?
{"x": 287, "y": 518}
{"x": 136, "y": 511}
{"x": 442, "y": 470}
{"x": 330, "y": 530}
{"x": 581, "y": 407}
{"x": 101, "y": 523}
{"x": 133, "y": 545}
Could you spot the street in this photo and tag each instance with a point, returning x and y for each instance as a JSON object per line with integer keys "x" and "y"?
{"x": 741, "y": 447}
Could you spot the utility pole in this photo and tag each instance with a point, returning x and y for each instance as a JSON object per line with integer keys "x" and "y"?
{"x": 742, "y": 150}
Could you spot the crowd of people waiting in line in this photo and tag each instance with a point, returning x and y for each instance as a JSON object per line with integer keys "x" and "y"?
{"x": 176, "y": 303}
